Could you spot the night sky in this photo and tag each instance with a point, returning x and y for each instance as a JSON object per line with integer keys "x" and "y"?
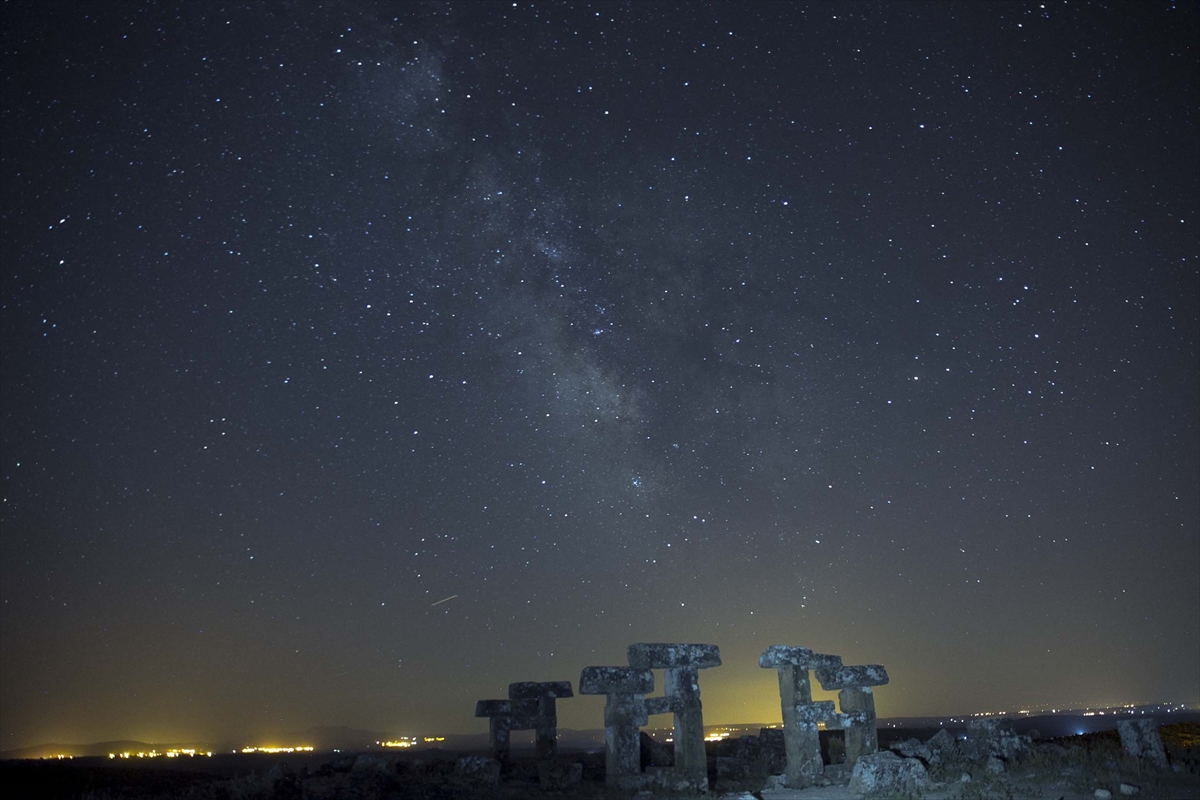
{"x": 868, "y": 327}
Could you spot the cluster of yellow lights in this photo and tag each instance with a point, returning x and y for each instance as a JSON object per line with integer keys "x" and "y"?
{"x": 59, "y": 756}
{"x": 716, "y": 737}
{"x": 172, "y": 753}
{"x": 301, "y": 749}
{"x": 411, "y": 741}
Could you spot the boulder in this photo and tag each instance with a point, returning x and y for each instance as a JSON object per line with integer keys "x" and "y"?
{"x": 1140, "y": 739}
{"x": 554, "y": 777}
{"x": 888, "y": 774}
{"x": 994, "y": 736}
{"x": 478, "y": 769}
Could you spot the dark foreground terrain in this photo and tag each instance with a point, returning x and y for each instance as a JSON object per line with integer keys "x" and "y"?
{"x": 1062, "y": 767}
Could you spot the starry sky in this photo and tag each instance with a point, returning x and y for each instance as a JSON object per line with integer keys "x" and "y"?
{"x": 869, "y": 327}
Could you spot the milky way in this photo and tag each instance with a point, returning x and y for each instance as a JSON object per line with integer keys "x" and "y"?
{"x": 361, "y": 359}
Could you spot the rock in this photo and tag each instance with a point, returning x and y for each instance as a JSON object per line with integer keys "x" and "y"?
{"x": 995, "y": 765}
{"x": 368, "y": 762}
{"x": 774, "y": 783}
{"x": 888, "y": 774}
{"x": 942, "y": 745}
{"x": 1102, "y": 794}
{"x": 771, "y": 742}
{"x": 914, "y": 748}
{"x": 964, "y": 778}
{"x": 995, "y": 736}
{"x": 553, "y": 777}
{"x": 730, "y": 768}
{"x": 478, "y": 769}
{"x": 1140, "y": 739}
{"x": 1129, "y": 790}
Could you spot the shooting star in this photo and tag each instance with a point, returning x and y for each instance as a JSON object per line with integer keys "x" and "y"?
{"x": 443, "y": 600}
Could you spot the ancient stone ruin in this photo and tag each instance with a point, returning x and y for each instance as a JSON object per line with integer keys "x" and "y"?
{"x": 801, "y": 714}
{"x": 624, "y": 715}
{"x": 628, "y": 708}
{"x": 530, "y": 706}
{"x": 856, "y": 703}
{"x": 681, "y": 697}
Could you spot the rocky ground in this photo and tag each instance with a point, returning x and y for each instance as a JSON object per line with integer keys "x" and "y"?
{"x": 1007, "y": 767}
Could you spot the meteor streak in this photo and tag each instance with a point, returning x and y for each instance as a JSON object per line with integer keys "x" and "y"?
{"x": 444, "y": 599}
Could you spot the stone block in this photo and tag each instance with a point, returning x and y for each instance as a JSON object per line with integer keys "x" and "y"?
{"x": 660, "y": 705}
{"x": 616, "y": 680}
{"x": 1140, "y": 739}
{"x": 534, "y": 690}
{"x": 662, "y": 655}
{"x": 554, "y": 777}
{"x": 887, "y": 774}
{"x": 781, "y": 655}
{"x": 832, "y": 679}
{"x": 480, "y": 770}
{"x": 814, "y": 712}
{"x": 506, "y": 708}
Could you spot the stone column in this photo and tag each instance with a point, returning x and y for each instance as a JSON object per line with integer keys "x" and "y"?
{"x": 624, "y": 714}
{"x": 857, "y": 704}
{"x": 801, "y": 740}
{"x": 681, "y": 695}
{"x": 545, "y": 721}
{"x": 503, "y": 717}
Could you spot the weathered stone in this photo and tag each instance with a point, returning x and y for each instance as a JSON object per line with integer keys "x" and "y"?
{"x": 1140, "y": 739}
{"x": 782, "y": 655}
{"x": 554, "y": 777}
{"x": 841, "y": 677}
{"x": 661, "y": 655}
{"x": 615, "y": 680}
{"x": 801, "y": 741}
{"x": 530, "y": 706}
{"x": 772, "y": 745}
{"x": 995, "y": 765}
{"x": 624, "y": 714}
{"x": 888, "y": 774}
{"x": 1102, "y": 794}
{"x": 862, "y": 736}
{"x": 942, "y": 746}
{"x": 911, "y": 748}
{"x": 1129, "y": 789}
{"x": 731, "y": 767}
{"x": 995, "y": 736}
{"x": 681, "y": 663}
{"x": 477, "y": 769}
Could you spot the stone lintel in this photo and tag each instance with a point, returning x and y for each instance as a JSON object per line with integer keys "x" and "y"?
{"x": 661, "y": 655}
{"x": 660, "y": 705}
{"x": 852, "y": 677}
{"x": 506, "y": 708}
{"x": 782, "y": 655}
{"x": 816, "y": 711}
{"x": 615, "y": 680}
{"x": 526, "y": 690}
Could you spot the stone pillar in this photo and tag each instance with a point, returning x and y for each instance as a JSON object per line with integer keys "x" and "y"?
{"x": 801, "y": 740}
{"x": 545, "y": 721}
{"x": 624, "y": 714}
{"x": 504, "y": 716}
{"x": 1140, "y": 738}
{"x": 530, "y": 706}
{"x": 681, "y": 696}
{"x": 857, "y": 704}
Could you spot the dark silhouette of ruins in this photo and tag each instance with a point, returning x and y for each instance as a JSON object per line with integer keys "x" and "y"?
{"x": 531, "y": 706}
